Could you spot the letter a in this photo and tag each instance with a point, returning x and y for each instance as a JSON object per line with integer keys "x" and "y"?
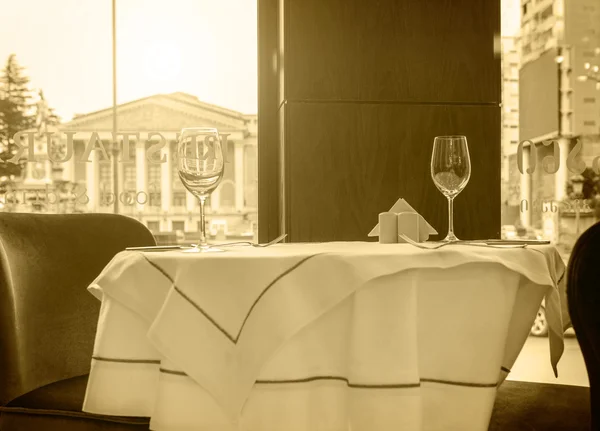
{"x": 91, "y": 145}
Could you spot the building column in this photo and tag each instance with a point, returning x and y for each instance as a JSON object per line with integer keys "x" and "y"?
{"x": 190, "y": 203}
{"x": 560, "y": 192}
{"x": 28, "y": 171}
{"x": 48, "y": 177}
{"x": 239, "y": 175}
{"x": 525, "y": 195}
{"x": 562, "y": 175}
{"x": 68, "y": 173}
{"x": 140, "y": 170}
{"x": 215, "y": 200}
{"x": 120, "y": 179}
{"x": 91, "y": 182}
{"x": 165, "y": 184}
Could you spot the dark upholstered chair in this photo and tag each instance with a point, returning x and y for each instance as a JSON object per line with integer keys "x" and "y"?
{"x": 548, "y": 407}
{"x": 527, "y": 406}
{"x": 48, "y": 318}
{"x": 583, "y": 294}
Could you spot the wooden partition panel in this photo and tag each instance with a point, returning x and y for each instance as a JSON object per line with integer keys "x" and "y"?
{"x": 364, "y": 87}
{"x": 391, "y": 50}
{"x": 349, "y": 162}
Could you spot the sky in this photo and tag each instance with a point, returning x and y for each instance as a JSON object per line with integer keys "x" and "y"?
{"x": 207, "y": 48}
{"x": 510, "y": 17}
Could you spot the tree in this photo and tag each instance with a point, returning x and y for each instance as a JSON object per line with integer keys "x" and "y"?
{"x": 18, "y": 112}
{"x": 15, "y": 113}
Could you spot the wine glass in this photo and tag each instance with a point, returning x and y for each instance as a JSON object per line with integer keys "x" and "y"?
{"x": 450, "y": 170}
{"x": 200, "y": 166}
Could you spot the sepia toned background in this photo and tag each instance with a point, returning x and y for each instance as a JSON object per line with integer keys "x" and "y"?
{"x": 328, "y": 129}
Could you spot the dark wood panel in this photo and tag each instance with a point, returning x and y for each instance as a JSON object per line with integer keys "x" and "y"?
{"x": 346, "y": 163}
{"x": 390, "y": 50}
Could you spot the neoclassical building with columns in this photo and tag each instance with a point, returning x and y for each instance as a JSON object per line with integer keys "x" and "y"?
{"x": 147, "y": 190}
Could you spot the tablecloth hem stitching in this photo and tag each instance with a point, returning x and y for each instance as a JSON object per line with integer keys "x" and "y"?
{"x": 127, "y": 361}
{"x": 356, "y": 385}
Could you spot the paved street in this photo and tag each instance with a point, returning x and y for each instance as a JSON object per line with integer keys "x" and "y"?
{"x": 533, "y": 364}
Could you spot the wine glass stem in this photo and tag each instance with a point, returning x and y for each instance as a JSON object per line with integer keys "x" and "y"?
{"x": 450, "y": 218}
{"x": 203, "y": 242}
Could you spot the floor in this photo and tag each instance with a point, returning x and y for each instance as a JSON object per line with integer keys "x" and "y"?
{"x": 533, "y": 363}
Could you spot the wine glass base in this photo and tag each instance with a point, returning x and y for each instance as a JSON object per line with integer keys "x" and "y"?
{"x": 203, "y": 249}
{"x": 450, "y": 238}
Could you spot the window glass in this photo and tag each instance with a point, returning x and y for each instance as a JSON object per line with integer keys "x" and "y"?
{"x": 553, "y": 116}
{"x": 555, "y": 204}
{"x": 178, "y": 226}
{"x": 176, "y": 67}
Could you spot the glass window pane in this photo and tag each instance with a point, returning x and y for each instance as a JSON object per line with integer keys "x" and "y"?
{"x": 176, "y": 68}
{"x": 61, "y": 71}
{"x": 550, "y": 82}
{"x": 190, "y": 74}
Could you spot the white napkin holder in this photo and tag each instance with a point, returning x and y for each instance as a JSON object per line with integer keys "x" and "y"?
{"x": 402, "y": 219}
{"x": 414, "y": 226}
{"x": 388, "y": 228}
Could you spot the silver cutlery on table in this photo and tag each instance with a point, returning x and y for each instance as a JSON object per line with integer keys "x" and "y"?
{"x": 157, "y": 248}
{"x": 475, "y": 243}
{"x": 253, "y": 244}
{"x": 422, "y": 245}
{"x": 182, "y": 247}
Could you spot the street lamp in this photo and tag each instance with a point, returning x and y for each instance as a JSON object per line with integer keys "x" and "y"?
{"x": 592, "y": 72}
{"x": 577, "y": 182}
{"x": 115, "y": 149}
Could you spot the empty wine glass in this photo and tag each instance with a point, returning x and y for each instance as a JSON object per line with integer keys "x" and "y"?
{"x": 450, "y": 170}
{"x": 200, "y": 165}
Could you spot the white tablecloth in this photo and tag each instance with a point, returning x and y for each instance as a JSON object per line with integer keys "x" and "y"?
{"x": 317, "y": 337}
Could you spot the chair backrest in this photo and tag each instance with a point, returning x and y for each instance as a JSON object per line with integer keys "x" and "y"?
{"x": 48, "y": 318}
{"x": 583, "y": 296}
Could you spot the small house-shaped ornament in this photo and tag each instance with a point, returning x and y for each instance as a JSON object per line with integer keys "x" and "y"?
{"x": 410, "y": 223}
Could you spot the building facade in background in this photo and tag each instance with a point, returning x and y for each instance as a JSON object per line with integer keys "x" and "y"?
{"x": 557, "y": 39}
{"x": 150, "y": 192}
{"x": 510, "y": 62}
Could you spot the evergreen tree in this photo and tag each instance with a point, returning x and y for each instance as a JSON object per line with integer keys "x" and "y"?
{"x": 15, "y": 112}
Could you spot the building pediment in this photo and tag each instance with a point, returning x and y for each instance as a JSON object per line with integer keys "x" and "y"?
{"x": 159, "y": 113}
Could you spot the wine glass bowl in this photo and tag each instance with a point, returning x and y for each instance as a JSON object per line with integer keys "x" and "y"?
{"x": 450, "y": 171}
{"x": 200, "y": 164}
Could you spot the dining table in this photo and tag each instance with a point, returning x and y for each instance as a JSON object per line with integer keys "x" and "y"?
{"x": 332, "y": 336}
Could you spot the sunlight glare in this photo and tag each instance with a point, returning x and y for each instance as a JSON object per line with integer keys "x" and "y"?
{"x": 162, "y": 65}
